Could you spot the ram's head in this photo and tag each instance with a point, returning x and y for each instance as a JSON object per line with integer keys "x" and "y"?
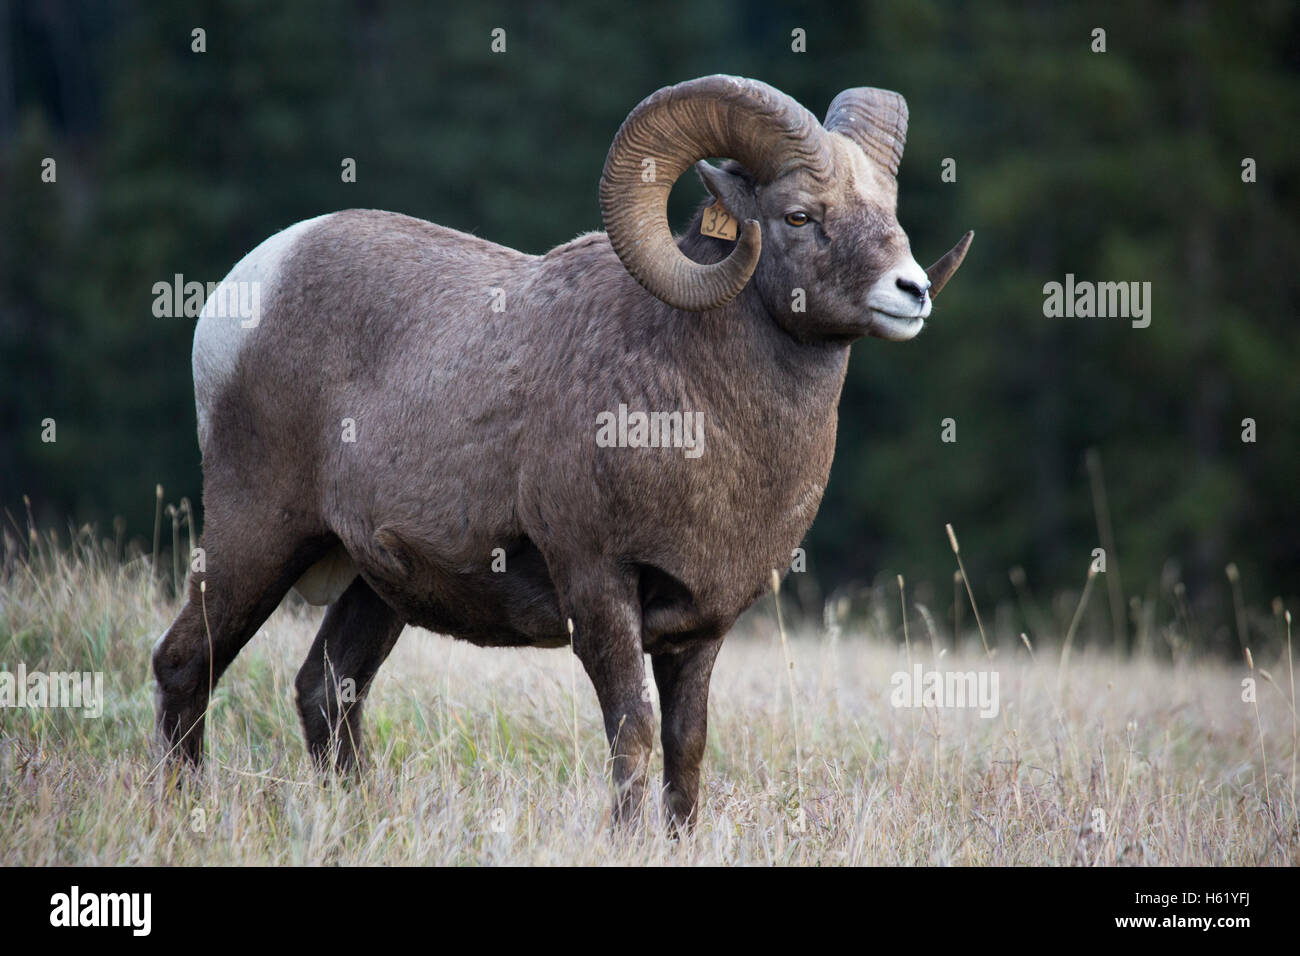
{"x": 821, "y": 198}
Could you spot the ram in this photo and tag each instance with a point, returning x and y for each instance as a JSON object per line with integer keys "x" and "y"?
{"x": 408, "y": 433}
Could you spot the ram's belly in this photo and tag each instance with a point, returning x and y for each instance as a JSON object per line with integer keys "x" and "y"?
{"x": 496, "y": 612}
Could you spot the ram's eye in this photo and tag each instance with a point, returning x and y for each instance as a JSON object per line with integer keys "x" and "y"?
{"x": 797, "y": 218}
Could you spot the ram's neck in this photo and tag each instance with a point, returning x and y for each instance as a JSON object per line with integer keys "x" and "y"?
{"x": 736, "y": 360}
{"x": 743, "y": 334}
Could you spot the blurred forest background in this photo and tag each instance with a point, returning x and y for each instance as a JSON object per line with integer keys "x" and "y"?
{"x": 1117, "y": 166}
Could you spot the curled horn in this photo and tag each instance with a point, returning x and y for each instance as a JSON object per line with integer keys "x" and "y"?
{"x": 760, "y": 127}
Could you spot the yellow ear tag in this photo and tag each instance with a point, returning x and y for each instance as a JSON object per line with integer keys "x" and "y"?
{"x": 719, "y": 223}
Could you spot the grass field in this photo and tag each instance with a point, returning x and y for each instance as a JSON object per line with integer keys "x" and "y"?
{"x": 489, "y": 756}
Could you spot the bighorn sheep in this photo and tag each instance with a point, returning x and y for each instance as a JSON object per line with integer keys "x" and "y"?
{"x": 472, "y": 380}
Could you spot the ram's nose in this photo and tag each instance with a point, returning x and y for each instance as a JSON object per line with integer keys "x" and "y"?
{"x": 903, "y": 291}
{"x": 916, "y": 290}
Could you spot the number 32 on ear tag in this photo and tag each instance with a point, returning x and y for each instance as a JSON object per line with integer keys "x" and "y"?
{"x": 719, "y": 223}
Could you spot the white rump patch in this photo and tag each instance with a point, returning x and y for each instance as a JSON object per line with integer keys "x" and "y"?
{"x": 221, "y": 333}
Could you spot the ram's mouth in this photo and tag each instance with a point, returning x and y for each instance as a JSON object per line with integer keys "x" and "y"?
{"x": 893, "y": 327}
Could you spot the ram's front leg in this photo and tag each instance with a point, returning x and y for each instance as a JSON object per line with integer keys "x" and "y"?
{"x": 607, "y": 639}
{"x": 683, "y": 681}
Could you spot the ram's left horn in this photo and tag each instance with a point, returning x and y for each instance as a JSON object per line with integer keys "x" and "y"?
{"x": 943, "y": 270}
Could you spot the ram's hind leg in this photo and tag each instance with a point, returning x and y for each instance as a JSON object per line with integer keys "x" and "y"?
{"x": 251, "y": 560}
{"x": 356, "y": 637}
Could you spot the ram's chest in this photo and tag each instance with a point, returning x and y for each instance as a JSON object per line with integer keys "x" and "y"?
{"x": 761, "y": 530}
{"x": 775, "y": 487}
{"x": 722, "y": 524}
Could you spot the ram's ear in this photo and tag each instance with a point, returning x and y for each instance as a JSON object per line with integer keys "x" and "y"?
{"x": 733, "y": 189}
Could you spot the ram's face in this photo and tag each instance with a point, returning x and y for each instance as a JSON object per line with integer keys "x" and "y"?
{"x": 841, "y": 243}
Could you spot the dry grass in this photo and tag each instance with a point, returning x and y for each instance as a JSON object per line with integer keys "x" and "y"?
{"x": 1139, "y": 762}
